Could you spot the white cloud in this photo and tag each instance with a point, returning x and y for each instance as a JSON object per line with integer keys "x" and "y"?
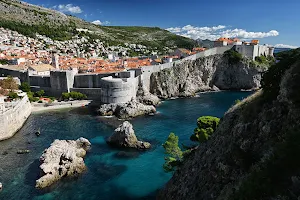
{"x": 68, "y": 8}
{"x": 285, "y": 46}
{"x": 98, "y": 22}
{"x": 215, "y": 32}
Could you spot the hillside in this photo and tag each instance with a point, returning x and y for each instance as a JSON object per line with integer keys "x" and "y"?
{"x": 253, "y": 154}
{"x": 29, "y": 19}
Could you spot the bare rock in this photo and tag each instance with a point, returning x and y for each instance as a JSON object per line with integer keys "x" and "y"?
{"x": 62, "y": 158}
{"x": 124, "y": 137}
{"x": 126, "y": 110}
{"x": 145, "y": 97}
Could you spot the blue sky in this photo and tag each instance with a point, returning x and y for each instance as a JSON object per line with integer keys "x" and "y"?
{"x": 273, "y": 22}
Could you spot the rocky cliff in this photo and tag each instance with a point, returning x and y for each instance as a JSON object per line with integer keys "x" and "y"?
{"x": 206, "y": 74}
{"x": 253, "y": 153}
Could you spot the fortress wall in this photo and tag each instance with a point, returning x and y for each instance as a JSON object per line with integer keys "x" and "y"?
{"x": 89, "y": 80}
{"x": 22, "y": 75}
{"x": 61, "y": 81}
{"x": 13, "y": 119}
{"x": 91, "y": 93}
{"x": 41, "y": 81}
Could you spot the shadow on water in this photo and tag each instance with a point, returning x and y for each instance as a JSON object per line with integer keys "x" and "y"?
{"x": 32, "y": 173}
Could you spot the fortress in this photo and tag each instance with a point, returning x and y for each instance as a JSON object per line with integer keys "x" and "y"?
{"x": 119, "y": 87}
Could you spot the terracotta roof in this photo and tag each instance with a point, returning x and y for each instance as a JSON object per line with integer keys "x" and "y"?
{"x": 42, "y": 67}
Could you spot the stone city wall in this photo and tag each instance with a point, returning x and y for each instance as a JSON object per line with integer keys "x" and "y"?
{"x": 14, "y": 118}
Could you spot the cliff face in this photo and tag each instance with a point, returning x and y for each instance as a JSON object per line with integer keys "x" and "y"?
{"x": 251, "y": 154}
{"x": 205, "y": 74}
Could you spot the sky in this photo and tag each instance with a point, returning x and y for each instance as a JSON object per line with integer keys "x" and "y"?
{"x": 274, "y": 22}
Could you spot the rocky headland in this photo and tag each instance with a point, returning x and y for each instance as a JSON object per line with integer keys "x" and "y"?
{"x": 253, "y": 153}
{"x": 62, "y": 158}
{"x": 211, "y": 73}
{"x": 124, "y": 136}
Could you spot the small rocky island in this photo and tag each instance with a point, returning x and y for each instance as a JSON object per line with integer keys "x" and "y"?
{"x": 62, "y": 158}
{"x": 126, "y": 110}
{"x": 124, "y": 136}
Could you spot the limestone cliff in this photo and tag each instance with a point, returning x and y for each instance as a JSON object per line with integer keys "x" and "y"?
{"x": 253, "y": 153}
{"x": 205, "y": 74}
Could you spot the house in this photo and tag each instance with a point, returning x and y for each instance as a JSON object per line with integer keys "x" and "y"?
{"x": 42, "y": 69}
{"x": 181, "y": 53}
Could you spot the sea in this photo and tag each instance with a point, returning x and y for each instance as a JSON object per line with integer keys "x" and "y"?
{"x": 111, "y": 173}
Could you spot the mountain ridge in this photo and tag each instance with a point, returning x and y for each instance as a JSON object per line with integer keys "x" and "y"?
{"x": 56, "y": 25}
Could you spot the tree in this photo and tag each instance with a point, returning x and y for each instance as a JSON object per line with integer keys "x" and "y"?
{"x": 25, "y": 87}
{"x": 40, "y": 93}
{"x": 233, "y": 56}
{"x": 173, "y": 150}
{"x": 9, "y": 84}
{"x": 206, "y": 126}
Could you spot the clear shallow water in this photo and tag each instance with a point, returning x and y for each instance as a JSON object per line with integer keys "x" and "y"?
{"x": 112, "y": 173}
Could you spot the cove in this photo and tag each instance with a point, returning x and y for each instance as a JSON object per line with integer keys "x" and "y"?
{"x": 112, "y": 173}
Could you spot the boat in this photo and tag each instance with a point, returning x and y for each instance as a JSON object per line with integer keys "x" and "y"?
{"x": 38, "y": 133}
{"x": 23, "y": 151}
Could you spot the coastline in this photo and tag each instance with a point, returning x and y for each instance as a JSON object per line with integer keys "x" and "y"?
{"x": 37, "y": 107}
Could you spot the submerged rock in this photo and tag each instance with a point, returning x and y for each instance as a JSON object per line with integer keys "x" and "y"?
{"x": 62, "y": 158}
{"x": 126, "y": 110}
{"x": 124, "y": 137}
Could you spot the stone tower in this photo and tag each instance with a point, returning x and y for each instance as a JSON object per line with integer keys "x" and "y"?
{"x": 55, "y": 59}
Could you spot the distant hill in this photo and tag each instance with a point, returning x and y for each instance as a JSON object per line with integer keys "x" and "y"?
{"x": 277, "y": 50}
{"x": 205, "y": 43}
{"x": 29, "y": 19}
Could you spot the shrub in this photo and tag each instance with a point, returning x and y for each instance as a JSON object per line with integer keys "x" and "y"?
{"x": 233, "y": 56}
{"x": 31, "y": 97}
{"x": 206, "y": 125}
{"x": 73, "y": 95}
{"x": 40, "y": 93}
{"x": 25, "y": 87}
{"x": 13, "y": 95}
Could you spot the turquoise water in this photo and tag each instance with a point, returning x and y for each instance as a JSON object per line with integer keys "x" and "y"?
{"x": 112, "y": 173}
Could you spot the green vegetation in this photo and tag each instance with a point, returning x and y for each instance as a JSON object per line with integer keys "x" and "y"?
{"x": 63, "y": 32}
{"x": 173, "y": 150}
{"x": 73, "y": 95}
{"x": 25, "y": 87}
{"x": 40, "y": 93}
{"x": 269, "y": 60}
{"x": 237, "y": 101}
{"x": 273, "y": 178}
{"x": 3, "y": 62}
{"x": 31, "y": 97}
{"x": 233, "y": 56}
{"x": 272, "y": 78}
{"x": 206, "y": 126}
{"x": 13, "y": 95}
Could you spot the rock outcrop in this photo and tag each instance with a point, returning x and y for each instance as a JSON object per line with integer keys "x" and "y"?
{"x": 205, "y": 74}
{"x": 62, "y": 158}
{"x": 124, "y": 137}
{"x": 250, "y": 156}
{"x": 126, "y": 110}
{"x": 145, "y": 97}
